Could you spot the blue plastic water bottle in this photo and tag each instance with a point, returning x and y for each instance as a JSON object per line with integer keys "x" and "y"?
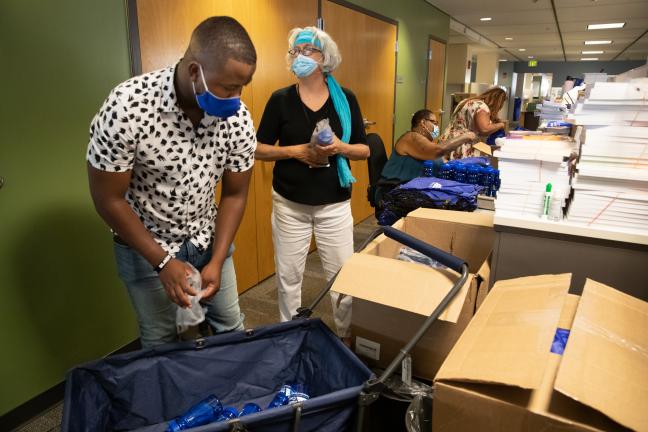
{"x": 204, "y": 412}
{"x": 452, "y": 172}
{"x": 445, "y": 171}
{"x": 428, "y": 168}
{"x": 249, "y": 408}
{"x": 490, "y": 181}
{"x": 325, "y": 137}
{"x": 483, "y": 176}
{"x": 299, "y": 393}
{"x": 460, "y": 173}
{"x": 472, "y": 174}
{"x": 228, "y": 413}
{"x": 496, "y": 183}
{"x": 281, "y": 398}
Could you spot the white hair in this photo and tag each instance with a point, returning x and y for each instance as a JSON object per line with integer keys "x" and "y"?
{"x": 330, "y": 53}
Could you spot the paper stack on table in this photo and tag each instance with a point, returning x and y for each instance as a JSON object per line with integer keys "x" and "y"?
{"x": 551, "y": 111}
{"x": 611, "y": 187}
{"x": 526, "y": 165}
{"x": 609, "y": 103}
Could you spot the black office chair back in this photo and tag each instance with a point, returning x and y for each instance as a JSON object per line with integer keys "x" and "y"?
{"x": 377, "y": 160}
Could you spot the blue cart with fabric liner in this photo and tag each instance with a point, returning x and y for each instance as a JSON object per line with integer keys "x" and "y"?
{"x": 143, "y": 390}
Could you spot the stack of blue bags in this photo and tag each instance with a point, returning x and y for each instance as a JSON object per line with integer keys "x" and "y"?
{"x": 428, "y": 192}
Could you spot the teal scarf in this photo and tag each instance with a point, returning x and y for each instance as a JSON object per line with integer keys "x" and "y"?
{"x": 341, "y": 105}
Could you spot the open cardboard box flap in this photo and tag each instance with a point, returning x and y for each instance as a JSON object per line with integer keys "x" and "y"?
{"x": 380, "y": 280}
{"x": 376, "y": 275}
{"x": 509, "y": 339}
{"x": 604, "y": 365}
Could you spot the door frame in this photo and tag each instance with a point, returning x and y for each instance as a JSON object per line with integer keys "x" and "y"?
{"x": 445, "y": 69}
{"x": 134, "y": 47}
{"x": 380, "y": 17}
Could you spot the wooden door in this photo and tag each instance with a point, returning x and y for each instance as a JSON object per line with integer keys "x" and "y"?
{"x": 435, "y": 78}
{"x": 271, "y": 22}
{"x": 368, "y": 48}
{"x": 165, "y": 28}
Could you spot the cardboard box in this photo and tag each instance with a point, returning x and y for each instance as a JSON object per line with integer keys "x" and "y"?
{"x": 392, "y": 298}
{"x": 508, "y": 371}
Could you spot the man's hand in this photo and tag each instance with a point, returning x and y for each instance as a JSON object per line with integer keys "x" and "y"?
{"x": 174, "y": 278}
{"x": 211, "y": 279}
{"x": 305, "y": 154}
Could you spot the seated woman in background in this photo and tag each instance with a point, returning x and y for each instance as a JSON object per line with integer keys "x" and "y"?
{"x": 478, "y": 115}
{"x": 413, "y": 148}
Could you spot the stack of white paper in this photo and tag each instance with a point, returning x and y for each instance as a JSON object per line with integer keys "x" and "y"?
{"x": 526, "y": 166}
{"x": 611, "y": 187}
{"x": 622, "y": 104}
{"x": 551, "y": 111}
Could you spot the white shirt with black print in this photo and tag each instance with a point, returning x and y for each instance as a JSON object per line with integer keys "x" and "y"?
{"x": 175, "y": 167}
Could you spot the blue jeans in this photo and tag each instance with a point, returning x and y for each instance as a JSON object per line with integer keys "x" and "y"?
{"x": 156, "y": 313}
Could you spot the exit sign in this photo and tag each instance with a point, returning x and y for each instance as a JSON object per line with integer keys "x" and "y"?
{"x": 533, "y": 63}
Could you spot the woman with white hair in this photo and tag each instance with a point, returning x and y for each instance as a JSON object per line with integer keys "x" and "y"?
{"x": 310, "y": 197}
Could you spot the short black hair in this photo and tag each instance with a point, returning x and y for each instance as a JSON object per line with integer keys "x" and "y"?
{"x": 420, "y": 115}
{"x": 220, "y": 38}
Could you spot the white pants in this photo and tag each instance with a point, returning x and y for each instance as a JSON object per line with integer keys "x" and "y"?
{"x": 292, "y": 227}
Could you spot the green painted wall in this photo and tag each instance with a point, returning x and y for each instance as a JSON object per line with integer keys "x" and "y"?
{"x": 417, "y": 21}
{"x": 61, "y": 303}
{"x": 60, "y": 300}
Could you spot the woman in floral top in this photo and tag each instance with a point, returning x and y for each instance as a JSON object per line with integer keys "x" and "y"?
{"x": 478, "y": 115}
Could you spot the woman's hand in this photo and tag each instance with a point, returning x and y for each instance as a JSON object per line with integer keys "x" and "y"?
{"x": 469, "y": 136}
{"x": 332, "y": 149}
{"x": 305, "y": 154}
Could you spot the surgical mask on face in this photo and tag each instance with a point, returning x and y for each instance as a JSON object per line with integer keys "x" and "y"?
{"x": 214, "y": 105}
{"x": 435, "y": 131}
{"x": 303, "y": 66}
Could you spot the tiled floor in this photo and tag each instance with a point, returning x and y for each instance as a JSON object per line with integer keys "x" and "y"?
{"x": 260, "y": 307}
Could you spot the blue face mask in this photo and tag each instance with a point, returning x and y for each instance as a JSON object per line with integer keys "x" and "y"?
{"x": 214, "y": 105}
{"x": 435, "y": 131}
{"x": 303, "y": 66}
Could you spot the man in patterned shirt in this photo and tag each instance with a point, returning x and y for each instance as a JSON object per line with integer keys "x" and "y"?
{"x": 158, "y": 146}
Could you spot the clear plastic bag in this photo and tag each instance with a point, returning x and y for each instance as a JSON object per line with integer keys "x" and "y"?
{"x": 322, "y": 136}
{"x": 418, "y": 415}
{"x": 410, "y": 255}
{"x": 194, "y": 315}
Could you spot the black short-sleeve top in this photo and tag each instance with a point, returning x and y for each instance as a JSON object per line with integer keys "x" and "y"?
{"x": 287, "y": 120}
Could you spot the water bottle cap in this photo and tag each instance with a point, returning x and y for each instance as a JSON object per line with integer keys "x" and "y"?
{"x": 325, "y": 135}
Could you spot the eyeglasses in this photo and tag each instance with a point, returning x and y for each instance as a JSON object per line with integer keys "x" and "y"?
{"x": 307, "y": 51}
